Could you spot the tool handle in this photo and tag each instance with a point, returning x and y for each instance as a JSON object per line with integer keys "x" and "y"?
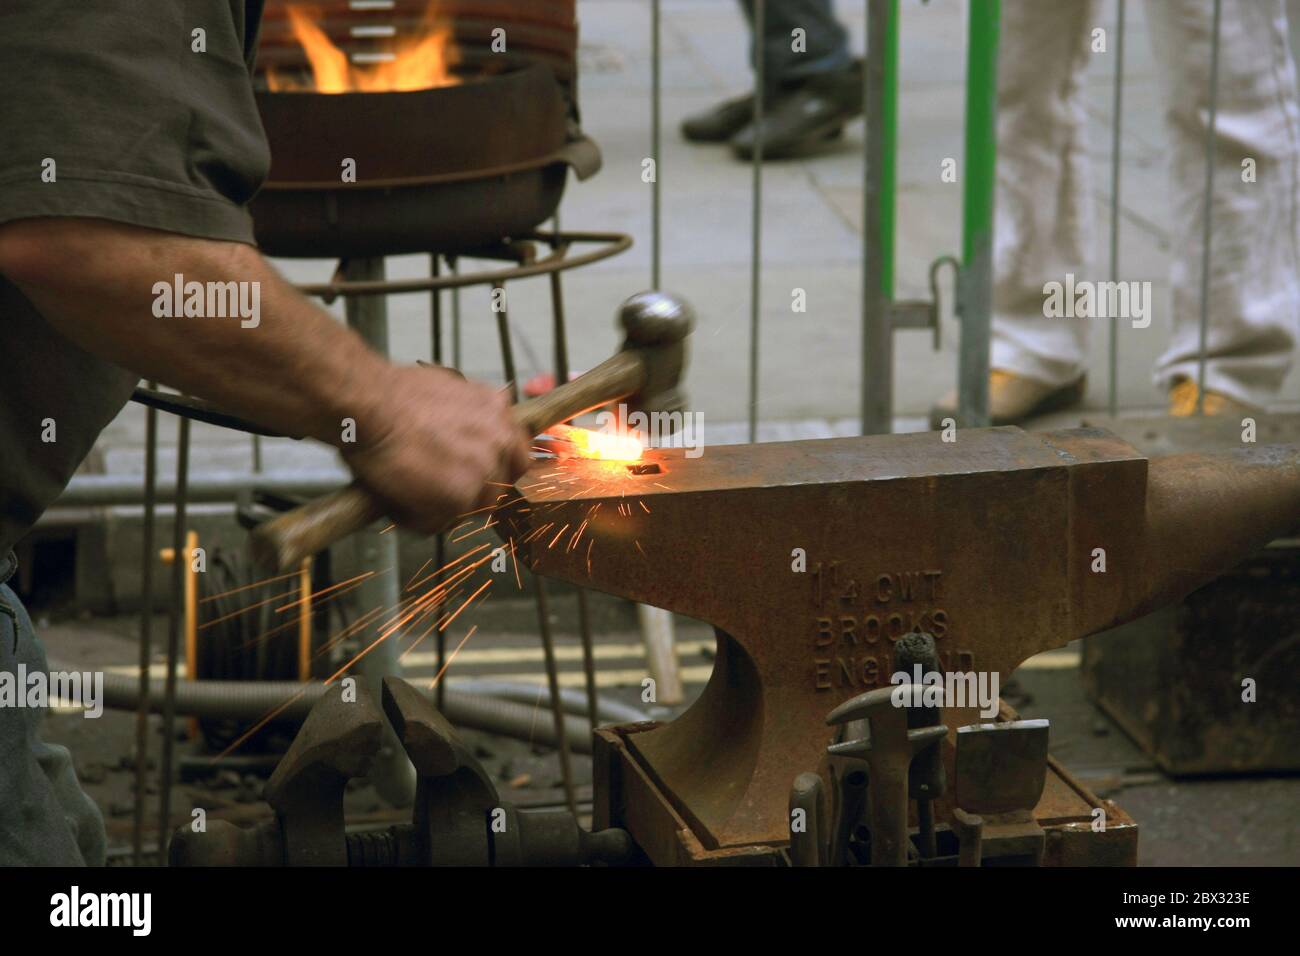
{"x": 617, "y": 377}
{"x": 284, "y": 542}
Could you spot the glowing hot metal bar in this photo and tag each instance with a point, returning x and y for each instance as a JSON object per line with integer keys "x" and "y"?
{"x": 605, "y": 446}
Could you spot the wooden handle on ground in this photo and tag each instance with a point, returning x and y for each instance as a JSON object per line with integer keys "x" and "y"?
{"x": 283, "y": 542}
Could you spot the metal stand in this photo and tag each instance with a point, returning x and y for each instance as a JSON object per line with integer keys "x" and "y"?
{"x": 393, "y": 775}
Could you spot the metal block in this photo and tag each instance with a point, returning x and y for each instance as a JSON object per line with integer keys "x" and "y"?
{"x": 1173, "y": 680}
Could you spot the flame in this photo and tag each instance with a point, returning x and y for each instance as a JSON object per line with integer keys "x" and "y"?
{"x": 414, "y": 64}
{"x": 604, "y": 445}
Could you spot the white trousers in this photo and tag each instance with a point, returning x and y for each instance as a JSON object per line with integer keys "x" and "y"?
{"x": 1043, "y": 226}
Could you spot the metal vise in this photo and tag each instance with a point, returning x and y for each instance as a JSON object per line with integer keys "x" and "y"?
{"x": 812, "y": 558}
{"x": 459, "y": 819}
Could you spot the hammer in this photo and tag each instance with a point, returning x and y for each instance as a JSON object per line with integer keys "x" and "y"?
{"x": 646, "y": 372}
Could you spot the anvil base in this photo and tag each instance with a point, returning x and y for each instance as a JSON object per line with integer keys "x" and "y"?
{"x": 628, "y": 796}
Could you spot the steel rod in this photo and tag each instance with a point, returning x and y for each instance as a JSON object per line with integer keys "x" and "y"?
{"x": 440, "y": 540}
{"x": 218, "y": 486}
{"x": 539, "y": 591}
{"x": 756, "y": 212}
{"x": 656, "y": 144}
{"x": 1210, "y": 136}
{"x": 561, "y": 337}
{"x": 979, "y": 186}
{"x": 553, "y": 682}
{"x": 435, "y": 313}
{"x": 584, "y": 611}
{"x": 148, "y": 559}
{"x": 588, "y": 657}
{"x": 392, "y": 773}
{"x": 454, "y": 268}
{"x": 1117, "y": 114}
{"x": 440, "y": 559}
{"x": 173, "y": 636}
{"x": 507, "y": 350}
{"x": 613, "y": 244}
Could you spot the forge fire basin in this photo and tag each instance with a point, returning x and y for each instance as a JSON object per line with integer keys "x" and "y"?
{"x": 443, "y": 169}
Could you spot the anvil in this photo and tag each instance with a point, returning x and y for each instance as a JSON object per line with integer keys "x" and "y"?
{"x": 812, "y": 558}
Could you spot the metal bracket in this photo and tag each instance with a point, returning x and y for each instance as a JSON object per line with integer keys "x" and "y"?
{"x": 922, "y": 313}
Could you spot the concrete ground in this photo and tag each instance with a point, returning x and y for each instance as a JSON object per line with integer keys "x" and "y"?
{"x": 809, "y": 375}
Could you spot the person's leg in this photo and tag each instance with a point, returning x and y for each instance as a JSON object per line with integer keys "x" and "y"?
{"x": 45, "y": 817}
{"x": 1043, "y": 221}
{"x": 1255, "y": 260}
{"x": 824, "y": 47}
{"x": 812, "y": 84}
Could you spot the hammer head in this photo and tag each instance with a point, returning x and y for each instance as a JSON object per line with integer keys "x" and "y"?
{"x": 656, "y": 325}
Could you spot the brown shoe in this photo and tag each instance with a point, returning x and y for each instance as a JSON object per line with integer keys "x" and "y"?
{"x": 1182, "y": 401}
{"x": 1014, "y": 399}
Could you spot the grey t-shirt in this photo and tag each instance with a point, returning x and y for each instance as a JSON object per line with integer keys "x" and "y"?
{"x": 110, "y": 110}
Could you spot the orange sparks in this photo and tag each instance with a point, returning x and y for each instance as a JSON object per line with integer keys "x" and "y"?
{"x": 446, "y": 567}
{"x": 253, "y": 641}
{"x": 539, "y": 531}
{"x": 239, "y": 741}
{"x": 246, "y": 587}
{"x": 357, "y": 625}
{"x": 418, "y": 573}
{"x": 333, "y": 587}
{"x": 515, "y": 562}
{"x": 451, "y": 657}
{"x": 483, "y": 587}
{"x": 225, "y": 617}
{"x": 573, "y": 542}
{"x": 468, "y": 534}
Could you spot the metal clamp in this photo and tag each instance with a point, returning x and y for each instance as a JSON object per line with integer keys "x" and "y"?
{"x": 920, "y": 313}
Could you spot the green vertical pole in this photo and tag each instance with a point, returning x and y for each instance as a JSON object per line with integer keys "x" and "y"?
{"x": 979, "y": 184}
{"x": 889, "y": 155}
{"x": 880, "y": 100}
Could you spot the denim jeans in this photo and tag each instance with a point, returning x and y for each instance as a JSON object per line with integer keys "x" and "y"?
{"x": 45, "y": 817}
{"x": 826, "y": 39}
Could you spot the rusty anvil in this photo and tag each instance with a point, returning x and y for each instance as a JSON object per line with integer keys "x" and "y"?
{"x": 993, "y": 543}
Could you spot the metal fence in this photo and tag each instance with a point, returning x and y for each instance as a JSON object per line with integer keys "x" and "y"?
{"x": 881, "y": 313}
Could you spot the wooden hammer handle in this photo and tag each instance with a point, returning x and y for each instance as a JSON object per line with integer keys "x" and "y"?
{"x": 285, "y": 541}
{"x": 619, "y": 376}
